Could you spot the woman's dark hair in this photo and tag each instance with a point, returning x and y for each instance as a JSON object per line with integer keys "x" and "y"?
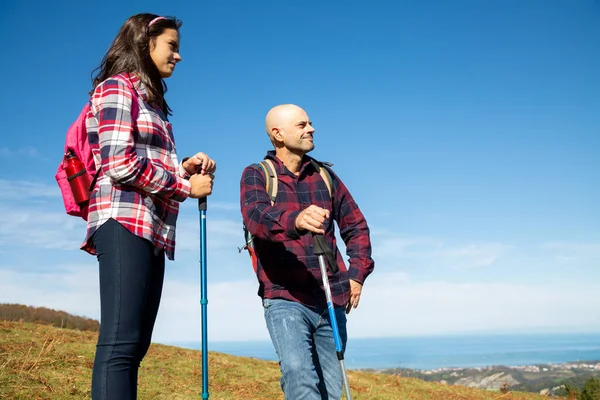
{"x": 130, "y": 52}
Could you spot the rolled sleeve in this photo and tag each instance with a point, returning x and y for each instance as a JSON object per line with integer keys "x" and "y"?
{"x": 182, "y": 190}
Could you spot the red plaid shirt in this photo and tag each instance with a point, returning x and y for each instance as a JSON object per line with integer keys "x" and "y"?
{"x": 141, "y": 183}
{"x": 286, "y": 264}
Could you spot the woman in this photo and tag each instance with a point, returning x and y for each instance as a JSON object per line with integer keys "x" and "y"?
{"x": 134, "y": 205}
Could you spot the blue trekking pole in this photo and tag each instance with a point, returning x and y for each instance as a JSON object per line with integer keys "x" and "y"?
{"x": 321, "y": 249}
{"x": 203, "y": 298}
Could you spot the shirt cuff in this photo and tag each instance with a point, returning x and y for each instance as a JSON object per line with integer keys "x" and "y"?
{"x": 182, "y": 172}
{"x": 182, "y": 191}
{"x": 357, "y": 274}
{"x": 292, "y": 233}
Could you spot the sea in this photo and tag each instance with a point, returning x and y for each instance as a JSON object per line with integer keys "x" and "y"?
{"x": 433, "y": 352}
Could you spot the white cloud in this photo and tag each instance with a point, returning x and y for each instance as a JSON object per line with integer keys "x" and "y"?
{"x": 72, "y": 288}
{"x": 224, "y": 206}
{"x": 386, "y": 245}
{"x": 234, "y": 312}
{"x": 35, "y": 227}
{"x": 27, "y": 191}
{"x": 220, "y": 233}
{"x": 34, "y": 214}
{"x": 234, "y": 309}
{"x": 27, "y": 151}
{"x": 392, "y": 305}
{"x": 437, "y": 252}
{"x": 574, "y": 251}
{"x": 473, "y": 254}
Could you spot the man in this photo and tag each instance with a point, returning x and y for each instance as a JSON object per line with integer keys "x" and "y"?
{"x": 287, "y": 269}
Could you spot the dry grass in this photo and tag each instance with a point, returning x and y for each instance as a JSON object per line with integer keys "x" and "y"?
{"x": 43, "y": 362}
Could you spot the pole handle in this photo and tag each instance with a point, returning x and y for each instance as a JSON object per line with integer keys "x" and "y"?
{"x": 320, "y": 248}
{"x": 201, "y": 200}
{"x": 202, "y": 204}
{"x": 317, "y": 245}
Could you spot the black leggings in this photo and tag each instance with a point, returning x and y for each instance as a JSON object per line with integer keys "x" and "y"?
{"x": 131, "y": 280}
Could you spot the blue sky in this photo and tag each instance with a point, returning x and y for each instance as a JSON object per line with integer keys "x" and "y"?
{"x": 467, "y": 131}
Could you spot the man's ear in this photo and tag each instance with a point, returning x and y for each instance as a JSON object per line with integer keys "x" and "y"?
{"x": 277, "y": 135}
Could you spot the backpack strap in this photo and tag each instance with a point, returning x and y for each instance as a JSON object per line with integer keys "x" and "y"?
{"x": 271, "y": 183}
{"x": 135, "y": 112}
{"x": 93, "y": 183}
{"x": 324, "y": 174}
{"x": 271, "y": 186}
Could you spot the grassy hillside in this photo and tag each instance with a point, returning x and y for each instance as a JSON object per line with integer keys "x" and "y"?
{"x": 45, "y": 362}
{"x": 48, "y": 316}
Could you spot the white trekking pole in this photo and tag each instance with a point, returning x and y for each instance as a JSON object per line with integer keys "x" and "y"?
{"x": 320, "y": 248}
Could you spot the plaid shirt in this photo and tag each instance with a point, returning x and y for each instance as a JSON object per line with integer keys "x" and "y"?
{"x": 141, "y": 183}
{"x": 286, "y": 265}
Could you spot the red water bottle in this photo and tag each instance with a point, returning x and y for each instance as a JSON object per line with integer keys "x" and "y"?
{"x": 78, "y": 177}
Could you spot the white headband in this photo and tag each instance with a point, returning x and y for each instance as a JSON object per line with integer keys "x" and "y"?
{"x": 155, "y": 20}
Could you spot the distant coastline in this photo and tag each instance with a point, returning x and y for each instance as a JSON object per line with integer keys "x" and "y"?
{"x": 591, "y": 365}
{"x": 431, "y": 353}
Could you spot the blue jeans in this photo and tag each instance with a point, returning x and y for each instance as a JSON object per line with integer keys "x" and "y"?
{"x": 131, "y": 280}
{"x": 304, "y": 343}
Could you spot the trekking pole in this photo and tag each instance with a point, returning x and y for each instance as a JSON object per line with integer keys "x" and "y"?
{"x": 203, "y": 298}
{"x": 321, "y": 249}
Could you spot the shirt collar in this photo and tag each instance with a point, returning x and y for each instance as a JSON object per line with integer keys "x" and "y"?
{"x": 139, "y": 86}
{"x": 281, "y": 168}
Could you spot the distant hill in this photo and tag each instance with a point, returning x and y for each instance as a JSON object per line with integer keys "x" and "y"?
{"x": 540, "y": 378}
{"x": 43, "y": 315}
{"x": 45, "y": 362}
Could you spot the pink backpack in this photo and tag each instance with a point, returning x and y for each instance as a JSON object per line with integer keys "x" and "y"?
{"x": 76, "y": 174}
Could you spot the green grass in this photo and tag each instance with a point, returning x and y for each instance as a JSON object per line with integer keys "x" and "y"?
{"x": 44, "y": 362}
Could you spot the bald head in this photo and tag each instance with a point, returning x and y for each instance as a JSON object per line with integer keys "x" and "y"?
{"x": 281, "y": 115}
{"x": 290, "y": 131}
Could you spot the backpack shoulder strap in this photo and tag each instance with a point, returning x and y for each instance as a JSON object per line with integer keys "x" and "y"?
{"x": 271, "y": 182}
{"x": 324, "y": 172}
{"x": 271, "y": 185}
{"x": 135, "y": 112}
